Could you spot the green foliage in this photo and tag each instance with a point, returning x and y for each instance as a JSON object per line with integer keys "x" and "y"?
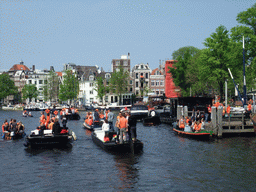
{"x": 183, "y": 50}
{"x": 7, "y": 86}
{"x": 119, "y": 82}
{"x": 51, "y": 88}
{"x": 100, "y": 88}
{"x": 179, "y": 72}
{"x": 29, "y": 92}
{"x": 70, "y": 87}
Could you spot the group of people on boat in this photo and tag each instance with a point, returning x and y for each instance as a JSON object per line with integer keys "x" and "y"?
{"x": 51, "y": 122}
{"x": 12, "y": 128}
{"x": 27, "y": 114}
{"x": 191, "y": 124}
{"x": 69, "y": 111}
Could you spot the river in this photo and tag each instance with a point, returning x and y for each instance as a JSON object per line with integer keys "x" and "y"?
{"x": 168, "y": 163}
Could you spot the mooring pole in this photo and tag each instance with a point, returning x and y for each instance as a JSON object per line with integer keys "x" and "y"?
{"x": 245, "y": 96}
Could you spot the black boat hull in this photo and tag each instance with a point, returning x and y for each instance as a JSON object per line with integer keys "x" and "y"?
{"x": 121, "y": 148}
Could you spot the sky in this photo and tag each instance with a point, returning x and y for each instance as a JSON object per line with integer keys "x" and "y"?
{"x": 48, "y": 33}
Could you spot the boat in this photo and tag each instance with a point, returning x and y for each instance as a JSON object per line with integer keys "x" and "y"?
{"x": 92, "y": 127}
{"x": 111, "y": 145}
{"x": 139, "y": 111}
{"x": 8, "y": 107}
{"x": 13, "y": 136}
{"x": 74, "y": 116}
{"x": 203, "y": 134}
{"x": 34, "y": 140}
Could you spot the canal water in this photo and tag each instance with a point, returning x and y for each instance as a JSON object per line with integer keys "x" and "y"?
{"x": 168, "y": 163}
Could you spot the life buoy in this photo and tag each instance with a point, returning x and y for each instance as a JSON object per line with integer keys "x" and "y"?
{"x": 152, "y": 113}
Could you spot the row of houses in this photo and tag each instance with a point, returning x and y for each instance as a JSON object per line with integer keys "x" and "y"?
{"x": 143, "y": 80}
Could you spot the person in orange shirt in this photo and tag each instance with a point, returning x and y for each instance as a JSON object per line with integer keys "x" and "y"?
{"x": 48, "y": 117}
{"x": 123, "y": 126}
{"x": 90, "y": 121}
{"x": 51, "y": 124}
{"x": 249, "y": 107}
{"x": 181, "y": 123}
{"x": 187, "y": 120}
{"x": 55, "y": 112}
{"x": 196, "y": 127}
{"x": 47, "y": 111}
{"x": 228, "y": 109}
{"x": 42, "y": 117}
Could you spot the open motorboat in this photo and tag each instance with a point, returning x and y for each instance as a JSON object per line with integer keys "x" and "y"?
{"x": 99, "y": 138}
{"x": 48, "y": 139}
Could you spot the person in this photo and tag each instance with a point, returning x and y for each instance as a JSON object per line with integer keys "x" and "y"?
{"x": 110, "y": 119}
{"x": 42, "y": 127}
{"x": 198, "y": 115}
{"x": 123, "y": 126}
{"x": 42, "y": 118}
{"x": 228, "y": 109}
{"x": 14, "y": 126}
{"x": 21, "y": 127}
{"x": 105, "y": 126}
{"x": 117, "y": 126}
{"x": 25, "y": 113}
{"x": 64, "y": 121}
{"x": 209, "y": 108}
{"x": 51, "y": 124}
{"x": 29, "y": 114}
{"x": 5, "y": 126}
{"x": 181, "y": 123}
{"x": 249, "y": 108}
{"x": 56, "y": 129}
{"x": 96, "y": 116}
{"x": 48, "y": 117}
{"x": 132, "y": 122}
{"x": 90, "y": 121}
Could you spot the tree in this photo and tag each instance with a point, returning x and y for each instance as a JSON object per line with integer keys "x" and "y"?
{"x": 119, "y": 82}
{"x": 7, "y": 86}
{"x": 182, "y": 51}
{"x": 248, "y": 30}
{"x": 51, "y": 87}
{"x": 70, "y": 87}
{"x": 219, "y": 55}
{"x": 179, "y": 72}
{"x": 29, "y": 92}
{"x": 100, "y": 88}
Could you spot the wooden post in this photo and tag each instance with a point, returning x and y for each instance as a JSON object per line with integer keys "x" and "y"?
{"x": 219, "y": 118}
{"x": 179, "y": 111}
{"x": 242, "y": 120}
{"x": 185, "y": 111}
{"x": 214, "y": 120}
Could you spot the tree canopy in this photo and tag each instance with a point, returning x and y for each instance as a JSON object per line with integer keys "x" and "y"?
{"x": 29, "y": 91}
{"x": 100, "y": 88}
{"x": 119, "y": 82}
{"x": 69, "y": 89}
{"x": 192, "y": 51}
{"x": 51, "y": 87}
{"x": 7, "y": 86}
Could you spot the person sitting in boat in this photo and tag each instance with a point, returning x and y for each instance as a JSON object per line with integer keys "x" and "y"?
{"x": 14, "y": 126}
{"x": 182, "y": 123}
{"x": 202, "y": 124}
{"x": 197, "y": 126}
{"x": 56, "y": 129}
{"x": 90, "y": 121}
{"x": 5, "y": 126}
{"x": 21, "y": 128}
{"x": 42, "y": 127}
{"x": 47, "y": 111}
{"x": 25, "y": 114}
{"x": 56, "y": 113}
{"x": 30, "y": 115}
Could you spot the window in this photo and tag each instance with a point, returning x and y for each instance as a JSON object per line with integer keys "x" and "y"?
{"x": 91, "y": 78}
{"x": 130, "y": 82}
{"x": 35, "y": 82}
{"x": 30, "y": 82}
{"x": 137, "y": 75}
{"x": 162, "y": 82}
{"x": 146, "y": 75}
{"x": 157, "y": 91}
{"x": 91, "y": 92}
{"x": 40, "y": 81}
{"x": 131, "y": 89}
{"x": 142, "y": 66}
{"x": 40, "y": 89}
{"x": 117, "y": 69}
{"x": 157, "y": 83}
{"x": 137, "y": 92}
{"x": 152, "y": 83}
{"x": 106, "y": 98}
{"x": 137, "y": 84}
{"x": 107, "y": 76}
{"x": 91, "y": 100}
{"x": 125, "y": 62}
{"x": 117, "y": 63}
{"x": 91, "y": 84}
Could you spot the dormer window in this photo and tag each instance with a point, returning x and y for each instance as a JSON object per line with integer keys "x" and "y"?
{"x": 107, "y": 76}
{"x": 91, "y": 78}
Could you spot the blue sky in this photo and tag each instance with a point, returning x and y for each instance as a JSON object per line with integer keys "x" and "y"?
{"x": 48, "y": 33}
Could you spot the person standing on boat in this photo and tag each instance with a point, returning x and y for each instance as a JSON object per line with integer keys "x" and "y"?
{"x": 110, "y": 119}
{"x": 42, "y": 118}
{"x": 132, "y": 122}
{"x": 105, "y": 125}
{"x": 96, "y": 116}
{"x": 123, "y": 126}
{"x": 64, "y": 121}
{"x": 56, "y": 129}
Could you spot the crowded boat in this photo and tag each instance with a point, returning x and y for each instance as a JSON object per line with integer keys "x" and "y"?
{"x": 13, "y": 129}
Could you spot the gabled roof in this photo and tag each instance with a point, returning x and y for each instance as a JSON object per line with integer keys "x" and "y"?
{"x": 59, "y": 74}
{"x": 86, "y": 71}
{"x": 153, "y": 72}
{"x": 19, "y": 67}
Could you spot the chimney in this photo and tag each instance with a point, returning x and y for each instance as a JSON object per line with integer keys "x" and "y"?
{"x": 33, "y": 67}
{"x": 51, "y": 68}
{"x": 128, "y": 55}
